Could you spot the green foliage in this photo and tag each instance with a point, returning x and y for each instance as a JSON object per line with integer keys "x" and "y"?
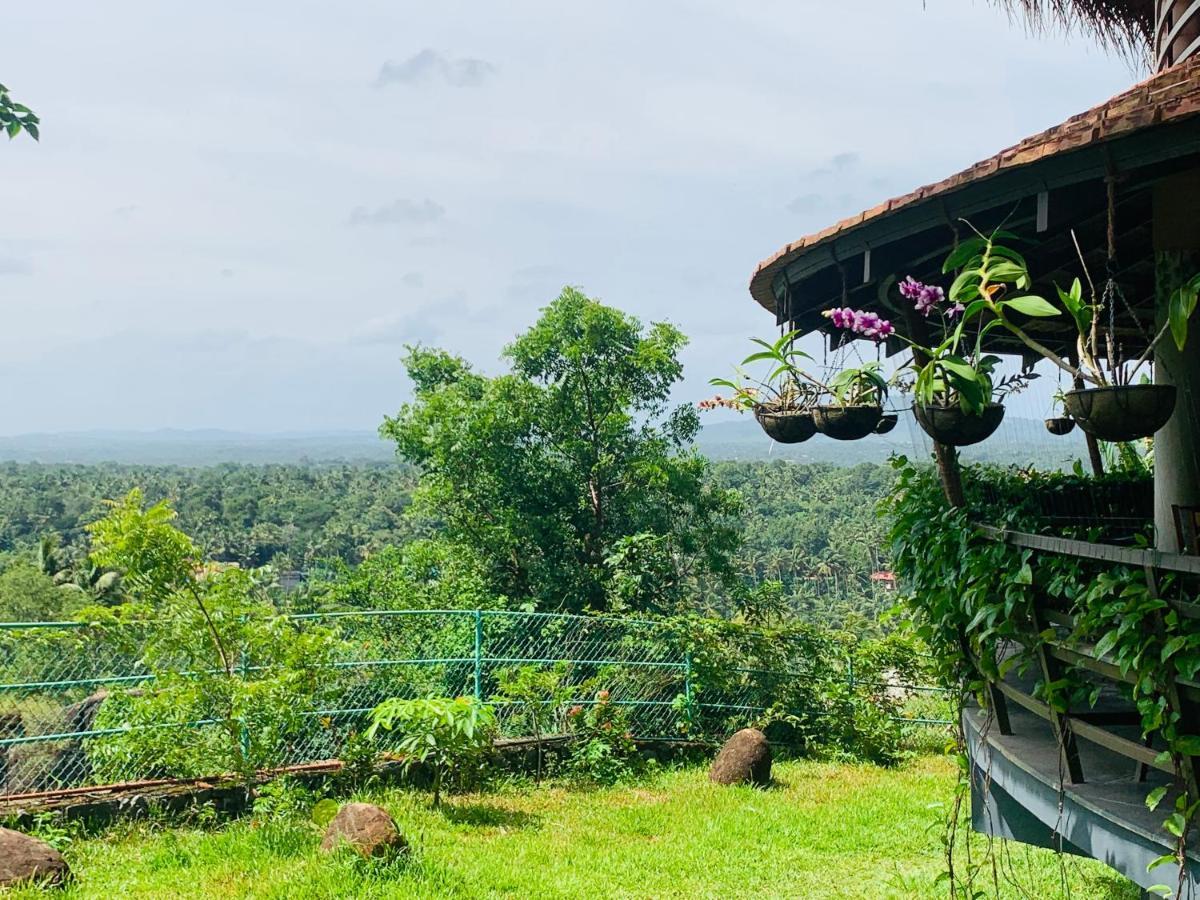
{"x": 950, "y": 373}
{"x": 424, "y": 574}
{"x": 225, "y": 664}
{"x": 448, "y": 734}
{"x": 539, "y": 693}
{"x": 786, "y": 386}
{"x": 290, "y": 517}
{"x": 604, "y": 751}
{"x": 811, "y": 542}
{"x": 537, "y": 474}
{"x": 860, "y": 386}
{"x": 29, "y": 595}
{"x": 16, "y": 117}
{"x": 969, "y": 596}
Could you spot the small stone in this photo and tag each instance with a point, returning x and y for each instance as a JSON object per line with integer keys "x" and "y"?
{"x": 366, "y": 828}
{"x": 744, "y": 759}
{"x": 25, "y": 859}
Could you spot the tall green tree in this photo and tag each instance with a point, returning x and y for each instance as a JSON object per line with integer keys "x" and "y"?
{"x": 542, "y": 475}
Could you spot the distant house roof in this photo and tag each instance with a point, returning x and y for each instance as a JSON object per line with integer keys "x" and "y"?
{"x": 1049, "y": 160}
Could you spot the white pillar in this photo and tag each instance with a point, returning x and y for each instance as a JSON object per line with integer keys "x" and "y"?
{"x": 1177, "y": 444}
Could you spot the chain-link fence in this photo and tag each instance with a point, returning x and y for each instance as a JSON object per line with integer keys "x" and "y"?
{"x": 65, "y": 687}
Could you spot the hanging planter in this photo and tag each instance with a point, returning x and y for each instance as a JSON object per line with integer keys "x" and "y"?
{"x": 956, "y": 427}
{"x": 886, "y": 423}
{"x": 847, "y": 423}
{"x": 1060, "y": 425}
{"x": 786, "y": 426}
{"x": 1124, "y": 412}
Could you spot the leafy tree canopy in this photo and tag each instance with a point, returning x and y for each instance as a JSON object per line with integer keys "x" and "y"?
{"x": 16, "y": 117}
{"x": 544, "y": 474}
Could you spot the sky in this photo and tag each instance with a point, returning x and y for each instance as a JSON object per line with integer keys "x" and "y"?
{"x": 239, "y": 213}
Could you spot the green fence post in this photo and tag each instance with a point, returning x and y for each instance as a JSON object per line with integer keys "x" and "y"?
{"x": 850, "y": 672}
{"x": 687, "y": 690}
{"x": 478, "y": 654}
{"x": 243, "y": 671}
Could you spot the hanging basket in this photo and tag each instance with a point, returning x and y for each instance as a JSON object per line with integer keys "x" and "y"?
{"x": 1060, "y": 425}
{"x": 1122, "y": 413}
{"x": 886, "y": 423}
{"x": 847, "y": 423}
{"x": 786, "y": 426}
{"x": 952, "y": 425}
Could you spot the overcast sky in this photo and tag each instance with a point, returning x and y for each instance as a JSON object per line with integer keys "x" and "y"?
{"x": 239, "y": 212}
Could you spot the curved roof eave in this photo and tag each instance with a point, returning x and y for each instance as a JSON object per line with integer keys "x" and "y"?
{"x": 1166, "y": 98}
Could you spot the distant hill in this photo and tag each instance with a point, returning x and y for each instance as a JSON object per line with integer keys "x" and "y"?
{"x": 206, "y": 447}
{"x": 1019, "y": 441}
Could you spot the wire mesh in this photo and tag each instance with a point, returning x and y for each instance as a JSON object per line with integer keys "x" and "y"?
{"x": 64, "y": 688}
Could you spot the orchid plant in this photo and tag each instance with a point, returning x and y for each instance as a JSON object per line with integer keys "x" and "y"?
{"x": 862, "y": 386}
{"x": 787, "y": 388}
{"x": 1105, "y": 368}
{"x": 991, "y": 272}
{"x": 955, "y": 371}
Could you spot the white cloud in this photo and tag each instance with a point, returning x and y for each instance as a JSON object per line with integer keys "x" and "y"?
{"x": 430, "y": 66}
{"x": 399, "y": 212}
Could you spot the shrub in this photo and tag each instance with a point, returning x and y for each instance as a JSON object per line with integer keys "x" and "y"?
{"x": 539, "y": 694}
{"x": 604, "y": 750}
{"x": 447, "y": 734}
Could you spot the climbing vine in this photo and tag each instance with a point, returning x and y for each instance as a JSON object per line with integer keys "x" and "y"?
{"x": 971, "y": 600}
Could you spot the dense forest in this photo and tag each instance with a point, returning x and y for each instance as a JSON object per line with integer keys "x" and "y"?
{"x": 810, "y": 527}
{"x": 571, "y": 483}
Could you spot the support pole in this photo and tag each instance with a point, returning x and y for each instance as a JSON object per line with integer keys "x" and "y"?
{"x": 1177, "y": 258}
{"x": 478, "y": 654}
{"x": 947, "y": 457}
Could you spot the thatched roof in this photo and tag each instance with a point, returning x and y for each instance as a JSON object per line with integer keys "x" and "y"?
{"x": 1124, "y": 25}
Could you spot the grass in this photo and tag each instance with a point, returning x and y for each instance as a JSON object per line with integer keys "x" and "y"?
{"x": 824, "y": 830}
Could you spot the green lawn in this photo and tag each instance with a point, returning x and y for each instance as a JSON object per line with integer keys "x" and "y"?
{"x": 824, "y": 830}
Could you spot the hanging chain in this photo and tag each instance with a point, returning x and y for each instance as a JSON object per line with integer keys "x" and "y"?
{"x": 1112, "y": 289}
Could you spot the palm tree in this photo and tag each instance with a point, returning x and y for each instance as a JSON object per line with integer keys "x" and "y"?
{"x": 1163, "y": 32}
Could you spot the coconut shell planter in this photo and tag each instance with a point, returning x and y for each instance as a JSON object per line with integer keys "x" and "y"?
{"x": 790, "y": 426}
{"x": 1060, "y": 425}
{"x": 847, "y": 423}
{"x": 956, "y": 427}
{"x": 886, "y": 423}
{"x": 1123, "y": 412}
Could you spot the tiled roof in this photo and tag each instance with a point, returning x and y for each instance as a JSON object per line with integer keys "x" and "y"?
{"x": 1169, "y": 96}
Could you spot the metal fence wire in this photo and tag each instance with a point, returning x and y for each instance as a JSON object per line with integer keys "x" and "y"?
{"x": 56, "y": 678}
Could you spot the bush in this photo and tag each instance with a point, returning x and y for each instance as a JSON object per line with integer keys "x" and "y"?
{"x": 604, "y": 750}
{"x": 447, "y": 734}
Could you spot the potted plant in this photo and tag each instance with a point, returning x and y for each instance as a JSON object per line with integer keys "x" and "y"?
{"x": 886, "y": 423}
{"x": 1115, "y": 407}
{"x": 1060, "y": 425}
{"x": 857, "y": 408}
{"x": 956, "y": 392}
{"x": 1112, "y": 407}
{"x": 783, "y": 401}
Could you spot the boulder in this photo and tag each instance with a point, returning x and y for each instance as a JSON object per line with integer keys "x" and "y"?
{"x": 24, "y": 859}
{"x": 366, "y": 828}
{"x": 744, "y": 759}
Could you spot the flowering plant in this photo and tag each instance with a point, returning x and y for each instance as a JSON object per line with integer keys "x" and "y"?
{"x": 787, "y": 386}
{"x": 954, "y": 371}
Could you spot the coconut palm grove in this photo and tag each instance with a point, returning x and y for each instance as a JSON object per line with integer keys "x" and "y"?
{"x": 357, "y": 555}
